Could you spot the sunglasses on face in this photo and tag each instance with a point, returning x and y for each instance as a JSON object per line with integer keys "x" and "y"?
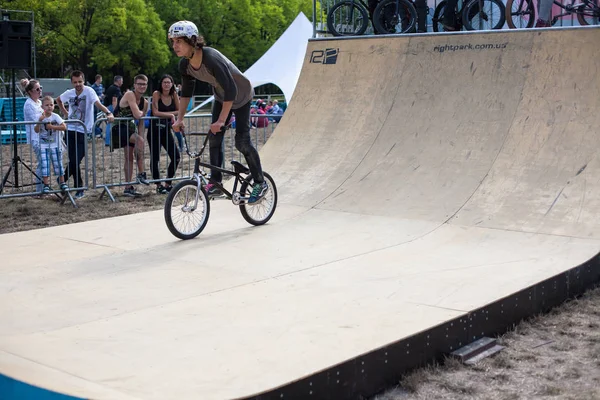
{"x": 39, "y": 89}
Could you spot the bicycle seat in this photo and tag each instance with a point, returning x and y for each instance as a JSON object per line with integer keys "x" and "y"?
{"x": 239, "y": 168}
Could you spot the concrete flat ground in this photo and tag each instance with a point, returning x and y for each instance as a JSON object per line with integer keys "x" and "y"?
{"x": 416, "y": 184}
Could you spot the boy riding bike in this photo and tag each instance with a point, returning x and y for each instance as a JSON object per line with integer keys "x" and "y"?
{"x": 233, "y": 93}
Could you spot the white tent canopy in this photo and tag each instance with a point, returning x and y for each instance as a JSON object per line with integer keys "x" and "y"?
{"x": 281, "y": 64}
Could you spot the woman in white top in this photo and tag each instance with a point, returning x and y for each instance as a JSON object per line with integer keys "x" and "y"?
{"x": 31, "y": 113}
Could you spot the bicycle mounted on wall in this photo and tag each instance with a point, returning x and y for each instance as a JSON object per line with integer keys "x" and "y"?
{"x": 351, "y": 17}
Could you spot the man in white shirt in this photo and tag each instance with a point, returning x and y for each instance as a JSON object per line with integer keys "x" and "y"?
{"x": 81, "y": 100}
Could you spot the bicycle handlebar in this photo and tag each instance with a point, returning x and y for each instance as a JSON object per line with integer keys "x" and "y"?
{"x": 207, "y": 134}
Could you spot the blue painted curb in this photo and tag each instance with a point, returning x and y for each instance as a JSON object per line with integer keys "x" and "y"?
{"x": 12, "y": 389}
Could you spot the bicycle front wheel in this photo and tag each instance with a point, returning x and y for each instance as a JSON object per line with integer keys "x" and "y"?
{"x": 520, "y": 14}
{"x": 347, "y": 18}
{"x": 185, "y": 217}
{"x": 484, "y": 15}
{"x": 259, "y": 213}
{"x": 589, "y": 13}
{"x": 395, "y": 16}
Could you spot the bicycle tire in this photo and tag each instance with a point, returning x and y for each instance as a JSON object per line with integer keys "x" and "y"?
{"x": 386, "y": 19}
{"x": 592, "y": 11}
{"x": 268, "y": 204}
{"x": 347, "y": 8}
{"x": 470, "y": 11}
{"x": 515, "y": 9}
{"x": 438, "y": 14}
{"x": 188, "y": 190}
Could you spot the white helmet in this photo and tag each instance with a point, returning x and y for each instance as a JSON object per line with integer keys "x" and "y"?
{"x": 183, "y": 28}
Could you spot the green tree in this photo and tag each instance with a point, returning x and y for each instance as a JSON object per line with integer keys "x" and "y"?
{"x": 97, "y": 36}
{"x": 127, "y": 37}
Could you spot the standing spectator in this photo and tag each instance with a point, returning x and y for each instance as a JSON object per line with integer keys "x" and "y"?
{"x": 81, "y": 100}
{"x": 276, "y": 110}
{"x": 449, "y": 18}
{"x": 165, "y": 105}
{"x": 111, "y": 97}
{"x": 261, "y": 122}
{"x": 544, "y": 14}
{"x": 99, "y": 89}
{"x": 130, "y": 135}
{"x": 32, "y": 109}
{"x": 233, "y": 93}
{"x": 50, "y": 144}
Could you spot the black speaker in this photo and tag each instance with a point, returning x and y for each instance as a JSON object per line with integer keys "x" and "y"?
{"x": 15, "y": 44}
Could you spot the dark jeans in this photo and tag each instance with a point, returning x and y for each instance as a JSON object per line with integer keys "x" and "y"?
{"x": 242, "y": 142}
{"x": 160, "y": 136}
{"x": 76, "y": 151}
{"x": 421, "y": 7}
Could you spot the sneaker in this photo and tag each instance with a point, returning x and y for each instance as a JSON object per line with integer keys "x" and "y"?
{"x": 258, "y": 192}
{"x": 131, "y": 192}
{"x": 160, "y": 189}
{"x": 80, "y": 194}
{"x": 168, "y": 188}
{"x": 46, "y": 189}
{"x": 540, "y": 23}
{"x": 213, "y": 190}
{"x": 141, "y": 178}
{"x": 64, "y": 187}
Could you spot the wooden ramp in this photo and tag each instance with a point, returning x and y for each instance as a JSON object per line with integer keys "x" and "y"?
{"x": 434, "y": 189}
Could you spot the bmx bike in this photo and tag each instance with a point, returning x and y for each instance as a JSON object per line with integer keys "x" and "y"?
{"x": 522, "y": 14}
{"x": 351, "y": 17}
{"x": 187, "y": 207}
{"x": 473, "y": 15}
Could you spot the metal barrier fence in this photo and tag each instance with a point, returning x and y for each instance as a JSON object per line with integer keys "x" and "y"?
{"x": 21, "y": 162}
{"x": 104, "y": 166}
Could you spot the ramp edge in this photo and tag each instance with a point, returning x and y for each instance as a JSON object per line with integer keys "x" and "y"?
{"x": 370, "y": 373}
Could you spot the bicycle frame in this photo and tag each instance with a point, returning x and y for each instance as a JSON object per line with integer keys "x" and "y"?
{"x": 202, "y": 178}
{"x": 569, "y": 8}
{"x": 586, "y": 7}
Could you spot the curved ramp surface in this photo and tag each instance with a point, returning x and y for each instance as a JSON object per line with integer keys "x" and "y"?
{"x": 421, "y": 177}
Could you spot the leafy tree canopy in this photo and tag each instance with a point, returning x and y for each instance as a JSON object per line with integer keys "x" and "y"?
{"x": 127, "y": 37}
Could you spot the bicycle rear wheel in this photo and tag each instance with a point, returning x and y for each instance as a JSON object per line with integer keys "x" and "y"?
{"x": 347, "y": 18}
{"x": 186, "y": 219}
{"x": 589, "y": 13}
{"x": 259, "y": 213}
{"x": 395, "y": 16}
{"x": 520, "y": 14}
{"x": 483, "y": 15}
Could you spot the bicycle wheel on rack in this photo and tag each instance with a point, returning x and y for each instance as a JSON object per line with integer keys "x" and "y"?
{"x": 520, "y": 14}
{"x": 589, "y": 13}
{"x": 186, "y": 219}
{"x": 395, "y": 16}
{"x": 347, "y": 18}
{"x": 259, "y": 213}
{"x": 483, "y": 15}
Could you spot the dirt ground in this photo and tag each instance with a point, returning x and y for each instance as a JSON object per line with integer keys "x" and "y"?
{"x": 552, "y": 356}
